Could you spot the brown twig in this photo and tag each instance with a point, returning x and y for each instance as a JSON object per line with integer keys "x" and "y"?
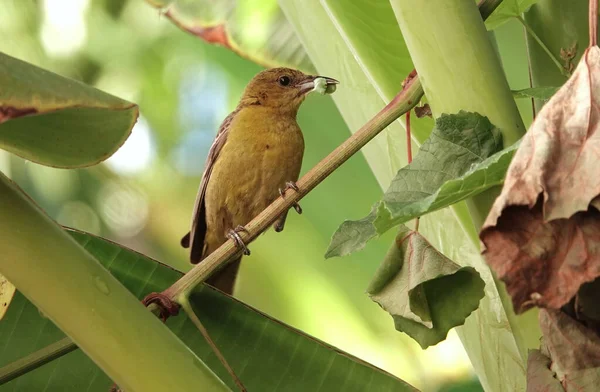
{"x": 593, "y": 22}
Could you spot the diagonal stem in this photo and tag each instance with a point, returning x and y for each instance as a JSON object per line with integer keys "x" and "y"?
{"x": 537, "y": 39}
{"x": 187, "y": 308}
{"x": 36, "y": 359}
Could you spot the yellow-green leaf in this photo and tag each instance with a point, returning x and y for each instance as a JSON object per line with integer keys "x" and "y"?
{"x": 56, "y": 121}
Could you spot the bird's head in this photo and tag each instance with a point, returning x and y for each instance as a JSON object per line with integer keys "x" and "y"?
{"x": 284, "y": 89}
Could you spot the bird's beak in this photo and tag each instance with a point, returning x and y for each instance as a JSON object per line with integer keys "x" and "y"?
{"x": 322, "y": 84}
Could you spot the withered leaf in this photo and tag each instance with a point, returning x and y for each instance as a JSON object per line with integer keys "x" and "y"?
{"x": 539, "y": 376}
{"x": 426, "y": 293}
{"x": 573, "y": 349}
{"x": 542, "y": 234}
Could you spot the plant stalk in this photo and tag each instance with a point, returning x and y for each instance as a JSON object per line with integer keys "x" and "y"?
{"x": 531, "y": 33}
{"x": 460, "y": 70}
{"x": 87, "y": 303}
{"x": 563, "y": 27}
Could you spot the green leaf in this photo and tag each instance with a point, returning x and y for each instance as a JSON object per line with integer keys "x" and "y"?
{"x": 56, "y": 121}
{"x": 541, "y": 93}
{"x": 254, "y": 29}
{"x": 426, "y": 293}
{"x": 455, "y": 163}
{"x": 265, "y": 353}
{"x": 508, "y": 9}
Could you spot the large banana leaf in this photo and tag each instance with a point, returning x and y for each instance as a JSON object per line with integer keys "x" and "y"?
{"x": 370, "y": 75}
{"x": 56, "y": 121}
{"x": 266, "y": 354}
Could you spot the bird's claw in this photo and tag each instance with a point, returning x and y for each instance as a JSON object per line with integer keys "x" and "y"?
{"x": 233, "y": 234}
{"x": 291, "y": 185}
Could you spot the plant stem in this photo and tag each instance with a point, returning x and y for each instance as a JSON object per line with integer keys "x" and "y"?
{"x": 401, "y": 104}
{"x": 537, "y": 39}
{"x": 560, "y": 25}
{"x": 460, "y": 70}
{"x": 87, "y": 303}
{"x": 187, "y": 308}
{"x": 593, "y": 23}
{"x": 36, "y": 359}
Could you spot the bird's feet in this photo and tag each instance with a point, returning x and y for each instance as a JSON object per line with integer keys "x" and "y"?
{"x": 233, "y": 234}
{"x": 291, "y": 185}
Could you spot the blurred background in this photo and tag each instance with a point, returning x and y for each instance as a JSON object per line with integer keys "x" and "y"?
{"x": 143, "y": 196}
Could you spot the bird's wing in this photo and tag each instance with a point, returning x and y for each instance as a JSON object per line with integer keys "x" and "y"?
{"x": 195, "y": 238}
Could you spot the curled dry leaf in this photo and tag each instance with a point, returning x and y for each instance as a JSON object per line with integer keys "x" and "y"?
{"x": 570, "y": 355}
{"x": 542, "y": 236}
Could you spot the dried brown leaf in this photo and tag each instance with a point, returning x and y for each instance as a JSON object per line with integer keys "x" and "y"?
{"x": 542, "y": 237}
{"x": 573, "y": 349}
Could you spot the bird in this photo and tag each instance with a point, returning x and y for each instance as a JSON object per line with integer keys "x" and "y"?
{"x": 255, "y": 157}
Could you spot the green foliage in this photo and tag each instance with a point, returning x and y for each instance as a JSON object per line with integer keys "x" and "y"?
{"x": 426, "y": 293}
{"x": 275, "y": 356}
{"x": 541, "y": 93}
{"x": 508, "y": 9}
{"x": 461, "y": 158}
{"x": 56, "y": 121}
{"x": 254, "y": 29}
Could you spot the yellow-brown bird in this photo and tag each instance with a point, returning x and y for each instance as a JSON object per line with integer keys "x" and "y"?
{"x": 257, "y": 152}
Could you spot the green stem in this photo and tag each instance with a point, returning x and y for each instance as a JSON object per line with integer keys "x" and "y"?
{"x": 184, "y": 302}
{"x": 460, "y": 70}
{"x": 35, "y": 360}
{"x": 533, "y": 35}
{"x": 87, "y": 303}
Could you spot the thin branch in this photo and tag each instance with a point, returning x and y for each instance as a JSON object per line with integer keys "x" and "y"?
{"x": 187, "y": 308}
{"x": 534, "y": 35}
{"x": 593, "y": 22}
{"x": 35, "y": 360}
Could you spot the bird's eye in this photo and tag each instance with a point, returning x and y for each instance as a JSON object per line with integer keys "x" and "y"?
{"x": 284, "y": 80}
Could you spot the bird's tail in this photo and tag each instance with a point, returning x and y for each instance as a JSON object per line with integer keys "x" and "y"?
{"x": 225, "y": 278}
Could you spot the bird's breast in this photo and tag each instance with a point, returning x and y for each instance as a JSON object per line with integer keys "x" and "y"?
{"x": 258, "y": 158}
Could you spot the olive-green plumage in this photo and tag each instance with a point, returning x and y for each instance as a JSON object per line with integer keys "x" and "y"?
{"x": 258, "y": 148}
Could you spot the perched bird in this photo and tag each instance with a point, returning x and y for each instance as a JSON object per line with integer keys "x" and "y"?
{"x": 256, "y": 154}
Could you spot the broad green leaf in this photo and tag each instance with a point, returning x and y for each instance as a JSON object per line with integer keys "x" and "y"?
{"x": 426, "y": 293}
{"x": 255, "y": 29}
{"x": 501, "y": 346}
{"x": 56, "y": 121}
{"x": 455, "y": 163}
{"x": 265, "y": 353}
{"x": 541, "y": 93}
{"x": 508, "y": 9}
